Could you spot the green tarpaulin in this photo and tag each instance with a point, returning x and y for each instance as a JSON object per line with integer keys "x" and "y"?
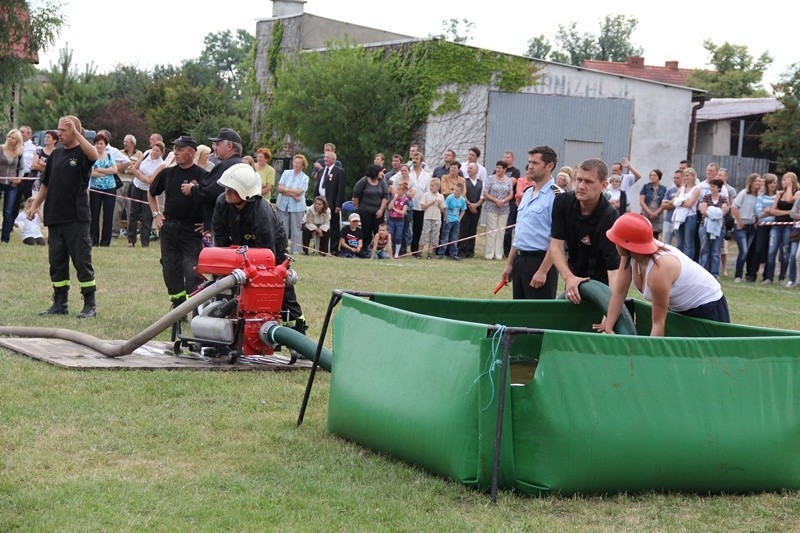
{"x": 709, "y": 408}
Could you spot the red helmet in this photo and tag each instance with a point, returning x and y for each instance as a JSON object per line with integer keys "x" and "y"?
{"x": 634, "y": 233}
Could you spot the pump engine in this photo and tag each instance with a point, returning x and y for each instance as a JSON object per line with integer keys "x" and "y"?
{"x": 230, "y": 325}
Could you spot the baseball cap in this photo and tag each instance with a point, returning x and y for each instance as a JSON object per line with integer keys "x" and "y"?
{"x": 185, "y": 140}
{"x": 354, "y": 216}
{"x": 227, "y": 134}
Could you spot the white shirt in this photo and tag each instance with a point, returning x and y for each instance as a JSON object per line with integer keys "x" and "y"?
{"x": 627, "y": 182}
{"x": 147, "y": 167}
{"x": 117, "y": 155}
{"x": 28, "y": 151}
{"x": 482, "y": 174}
{"x": 705, "y": 188}
{"x": 694, "y": 287}
{"x": 323, "y": 177}
{"x": 422, "y": 181}
{"x": 29, "y": 228}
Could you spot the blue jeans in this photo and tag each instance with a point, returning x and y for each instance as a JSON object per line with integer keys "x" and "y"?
{"x": 684, "y": 236}
{"x": 709, "y": 256}
{"x": 396, "y": 226}
{"x": 778, "y": 241}
{"x": 450, "y": 234}
{"x": 9, "y": 193}
{"x": 792, "y": 261}
{"x": 744, "y": 240}
{"x": 406, "y": 241}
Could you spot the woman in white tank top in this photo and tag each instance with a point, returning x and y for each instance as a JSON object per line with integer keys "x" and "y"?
{"x": 663, "y": 274}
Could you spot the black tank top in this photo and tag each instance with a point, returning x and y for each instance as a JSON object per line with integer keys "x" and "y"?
{"x": 783, "y": 206}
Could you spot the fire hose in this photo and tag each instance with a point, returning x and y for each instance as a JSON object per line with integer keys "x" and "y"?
{"x": 116, "y": 348}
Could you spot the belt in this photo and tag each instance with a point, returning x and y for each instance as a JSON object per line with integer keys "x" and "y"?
{"x": 530, "y": 253}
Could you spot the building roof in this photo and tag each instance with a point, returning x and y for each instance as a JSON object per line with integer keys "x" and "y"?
{"x": 731, "y": 108}
{"x": 670, "y": 73}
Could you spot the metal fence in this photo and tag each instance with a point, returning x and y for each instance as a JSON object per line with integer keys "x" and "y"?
{"x": 738, "y": 167}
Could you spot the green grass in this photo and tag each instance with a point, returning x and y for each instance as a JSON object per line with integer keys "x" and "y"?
{"x": 176, "y": 451}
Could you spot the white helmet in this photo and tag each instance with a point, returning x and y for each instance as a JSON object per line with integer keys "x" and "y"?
{"x": 242, "y": 179}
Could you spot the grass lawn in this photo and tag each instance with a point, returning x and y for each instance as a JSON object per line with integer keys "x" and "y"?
{"x": 176, "y": 451}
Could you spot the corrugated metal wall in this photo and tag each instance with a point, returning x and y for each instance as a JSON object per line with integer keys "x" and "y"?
{"x": 571, "y": 125}
{"x": 738, "y": 167}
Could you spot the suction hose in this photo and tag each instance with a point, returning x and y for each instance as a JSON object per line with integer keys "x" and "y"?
{"x": 599, "y": 295}
{"x": 274, "y": 334}
{"x": 116, "y": 349}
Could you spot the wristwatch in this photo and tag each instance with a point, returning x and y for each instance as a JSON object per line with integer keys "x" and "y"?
{"x": 156, "y": 213}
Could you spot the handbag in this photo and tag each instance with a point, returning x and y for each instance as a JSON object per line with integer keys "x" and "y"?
{"x": 118, "y": 182}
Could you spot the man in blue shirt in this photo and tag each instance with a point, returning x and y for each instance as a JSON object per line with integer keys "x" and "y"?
{"x": 529, "y": 266}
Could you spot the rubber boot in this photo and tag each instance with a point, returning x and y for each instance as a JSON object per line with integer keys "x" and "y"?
{"x": 89, "y": 306}
{"x": 59, "y": 306}
{"x": 299, "y": 326}
{"x": 177, "y": 302}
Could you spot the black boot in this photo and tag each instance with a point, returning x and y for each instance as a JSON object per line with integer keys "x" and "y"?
{"x": 299, "y": 325}
{"x": 59, "y": 306}
{"x": 89, "y": 306}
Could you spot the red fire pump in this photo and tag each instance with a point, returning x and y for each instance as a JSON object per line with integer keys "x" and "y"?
{"x": 230, "y": 325}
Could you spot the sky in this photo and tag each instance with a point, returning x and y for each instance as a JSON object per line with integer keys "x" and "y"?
{"x": 156, "y": 32}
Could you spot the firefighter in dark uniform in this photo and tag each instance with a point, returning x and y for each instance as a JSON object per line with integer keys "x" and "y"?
{"x": 66, "y": 214}
{"x": 181, "y": 222}
{"x": 529, "y": 266}
{"x": 243, "y": 218}
{"x": 580, "y": 222}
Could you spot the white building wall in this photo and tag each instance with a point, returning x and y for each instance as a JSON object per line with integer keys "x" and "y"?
{"x": 659, "y": 136}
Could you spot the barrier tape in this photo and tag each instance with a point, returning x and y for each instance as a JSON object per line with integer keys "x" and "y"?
{"x": 777, "y": 223}
{"x": 440, "y": 245}
{"x": 101, "y": 191}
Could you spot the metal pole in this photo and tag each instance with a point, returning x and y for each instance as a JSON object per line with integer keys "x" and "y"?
{"x": 336, "y": 297}
{"x": 508, "y": 339}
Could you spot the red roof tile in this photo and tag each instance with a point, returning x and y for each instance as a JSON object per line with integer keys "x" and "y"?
{"x": 635, "y": 68}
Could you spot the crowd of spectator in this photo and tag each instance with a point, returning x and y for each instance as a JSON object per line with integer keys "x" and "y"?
{"x": 416, "y": 209}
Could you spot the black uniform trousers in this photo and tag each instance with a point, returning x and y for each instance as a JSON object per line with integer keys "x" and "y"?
{"x": 66, "y": 241}
{"x": 469, "y": 227}
{"x": 180, "y": 250}
{"x": 525, "y": 266}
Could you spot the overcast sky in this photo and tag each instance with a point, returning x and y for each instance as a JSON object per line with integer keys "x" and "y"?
{"x": 148, "y": 32}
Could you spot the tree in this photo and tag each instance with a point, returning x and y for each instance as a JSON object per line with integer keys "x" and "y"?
{"x": 613, "y": 43}
{"x": 25, "y": 28}
{"x": 783, "y": 127}
{"x": 178, "y": 105}
{"x": 369, "y": 101}
{"x": 128, "y": 82}
{"x": 456, "y": 31}
{"x": 62, "y": 90}
{"x": 347, "y": 96}
{"x": 736, "y": 73}
{"x": 539, "y": 48}
{"x": 120, "y": 118}
{"x": 228, "y": 56}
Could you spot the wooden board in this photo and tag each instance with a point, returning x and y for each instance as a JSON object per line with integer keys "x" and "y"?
{"x": 153, "y": 355}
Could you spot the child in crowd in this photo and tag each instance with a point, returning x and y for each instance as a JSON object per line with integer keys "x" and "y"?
{"x": 455, "y": 205}
{"x": 30, "y": 230}
{"x": 351, "y": 241}
{"x": 397, "y": 214}
{"x": 432, "y": 204}
{"x": 382, "y": 243}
